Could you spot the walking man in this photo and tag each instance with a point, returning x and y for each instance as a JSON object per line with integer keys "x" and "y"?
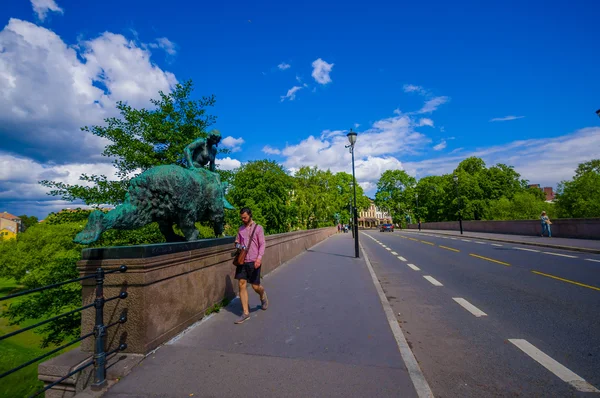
{"x": 252, "y": 236}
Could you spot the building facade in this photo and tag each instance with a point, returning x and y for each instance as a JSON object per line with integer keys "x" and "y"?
{"x": 10, "y": 225}
{"x": 373, "y": 217}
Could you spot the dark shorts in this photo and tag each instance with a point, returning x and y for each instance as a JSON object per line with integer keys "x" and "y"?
{"x": 248, "y": 273}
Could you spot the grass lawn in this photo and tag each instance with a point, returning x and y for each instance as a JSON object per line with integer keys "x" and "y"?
{"x": 17, "y": 350}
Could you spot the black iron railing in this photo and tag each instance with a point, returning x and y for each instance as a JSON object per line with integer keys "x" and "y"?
{"x": 99, "y": 332}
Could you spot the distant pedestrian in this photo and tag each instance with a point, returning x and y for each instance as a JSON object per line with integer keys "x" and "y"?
{"x": 546, "y": 224}
{"x": 252, "y": 237}
{"x": 339, "y": 228}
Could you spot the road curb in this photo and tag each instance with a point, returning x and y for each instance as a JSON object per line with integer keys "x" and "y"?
{"x": 516, "y": 242}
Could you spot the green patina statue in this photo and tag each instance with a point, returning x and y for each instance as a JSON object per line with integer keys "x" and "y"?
{"x": 169, "y": 194}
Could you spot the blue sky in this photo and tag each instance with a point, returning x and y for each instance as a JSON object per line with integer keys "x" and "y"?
{"x": 425, "y": 84}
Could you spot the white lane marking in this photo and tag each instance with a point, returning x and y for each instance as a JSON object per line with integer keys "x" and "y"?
{"x": 453, "y": 238}
{"x": 412, "y": 366}
{"x": 559, "y": 370}
{"x": 465, "y": 240}
{"x": 401, "y": 258}
{"x": 560, "y": 254}
{"x": 414, "y": 267}
{"x": 388, "y": 249}
{"x": 591, "y": 259}
{"x": 481, "y": 243}
{"x": 527, "y": 250}
{"x": 497, "y": 245}
{"x": 469, "y": 307}
{"x": 394, "y": 253}
{"x": 433, "y": 281}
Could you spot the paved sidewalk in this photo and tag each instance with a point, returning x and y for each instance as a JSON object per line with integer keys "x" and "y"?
{"x": 583, "y": 245}
{"x": 325, "y": 334}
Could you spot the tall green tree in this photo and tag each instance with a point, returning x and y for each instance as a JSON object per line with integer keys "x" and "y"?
{"x": 140, "y": 139}
{"x": 396, "y": 193}
{"x": 28, "y": 221}
{"x": 266, "y": 188}
{"x": 580, "y": 197}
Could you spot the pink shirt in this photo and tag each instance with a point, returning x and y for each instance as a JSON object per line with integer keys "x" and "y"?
{"x": 257, "y": 249}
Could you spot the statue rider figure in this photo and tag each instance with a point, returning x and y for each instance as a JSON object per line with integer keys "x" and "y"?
{"x": 203, "y": 151}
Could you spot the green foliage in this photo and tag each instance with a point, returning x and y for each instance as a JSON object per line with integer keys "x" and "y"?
{"x": 28, "y": 221}
{"x": 140, "y": 139}
{"x": 395, "y": 193}
{"x": 580, "y": 197}
{"x": 480, "y": 193}
{"x": 265, "y": 187}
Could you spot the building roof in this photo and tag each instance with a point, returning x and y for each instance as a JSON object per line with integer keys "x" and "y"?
{"x": 8, "y": 216}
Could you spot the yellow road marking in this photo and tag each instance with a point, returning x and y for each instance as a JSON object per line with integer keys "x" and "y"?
{"x": 489, "y": 259}
{"x": 416, "y": 240}
{"x": 449, "y": 248}
{"x": 428, "y": 243}
{"x": 566, "y": 280}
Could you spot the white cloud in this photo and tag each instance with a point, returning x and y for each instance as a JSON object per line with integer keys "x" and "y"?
{"x": 356, "y": 125}
{"x": 321, "y": 71}
{"x": 165, "y": 44}
{"x": 425, "y": 122}
{"x": 411, "y": 88}
{"x": 291, "y": 94}
{"x": 284, "y": 66}
{"x": 235, "y": 144}
{"x": 531, "y": 158}
{"x": 506, "y": 118}
{"x": 49, "y": 89}
{"x": 42, "y": 7}
{"x": 440, "y": 146}
{"x": 432, "y": 104}
{"x": 327, "y": 134}
{"x": 228, "y": 163}
{"x": 270, "y": 150}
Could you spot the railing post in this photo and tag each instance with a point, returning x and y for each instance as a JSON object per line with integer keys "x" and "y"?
{"x": 99, "y": 334}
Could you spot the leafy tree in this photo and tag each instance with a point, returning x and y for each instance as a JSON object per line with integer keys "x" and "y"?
{"x": 140, "y": 139}
{"x": 396, "y": 194}
{"x": 265, "y": 187}
{"x": 28, "y": 221}
{"x": 580, "y": 197}
{"x": 525, "y": 205}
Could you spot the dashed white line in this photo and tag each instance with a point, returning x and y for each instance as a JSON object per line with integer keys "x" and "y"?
{"x": 394, "y": 253}
{"x": 560, "y": 254}
{"x": 453, "y": 238}
{"x": 388, "y": 249}
{"x": 559, "y": 370}
{"x": 469, "y": 307}
{"x": 497, "y": 245}
{"x": 433, "y": 281}
{"x": 481, "y": 243}
{"x": 527, "y": 250}
{"x": 414, "y": 267}
{"x": 401, "y": 258}
{"x": 591, "y": 259}
{"x": 465, "y": 240}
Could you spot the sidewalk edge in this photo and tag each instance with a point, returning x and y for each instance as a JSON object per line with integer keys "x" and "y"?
{"x": 414, "y": 370}
{"x": 516, "y": 242}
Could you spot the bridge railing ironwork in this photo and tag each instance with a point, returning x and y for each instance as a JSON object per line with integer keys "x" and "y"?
{"x": 99, "y": 333}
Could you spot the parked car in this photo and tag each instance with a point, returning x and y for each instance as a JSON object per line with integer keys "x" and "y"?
{"x": 386, "y": 227}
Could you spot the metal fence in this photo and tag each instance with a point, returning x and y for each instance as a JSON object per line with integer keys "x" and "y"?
{"x": 99, "y": 332}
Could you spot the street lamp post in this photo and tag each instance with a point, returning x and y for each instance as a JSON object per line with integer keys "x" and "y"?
{"x": 459, "y": 206}
{"x": 352, "y": 139}
{"x": 418, "y": 214}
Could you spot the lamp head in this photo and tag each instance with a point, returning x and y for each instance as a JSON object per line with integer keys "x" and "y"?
{"x": 351, "y": 137}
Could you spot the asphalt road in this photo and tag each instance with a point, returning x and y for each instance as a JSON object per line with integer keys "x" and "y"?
{"x": 493, "y": 319}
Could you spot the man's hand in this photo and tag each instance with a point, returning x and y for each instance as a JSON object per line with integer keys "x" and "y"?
{"x": 257, "y": 263}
